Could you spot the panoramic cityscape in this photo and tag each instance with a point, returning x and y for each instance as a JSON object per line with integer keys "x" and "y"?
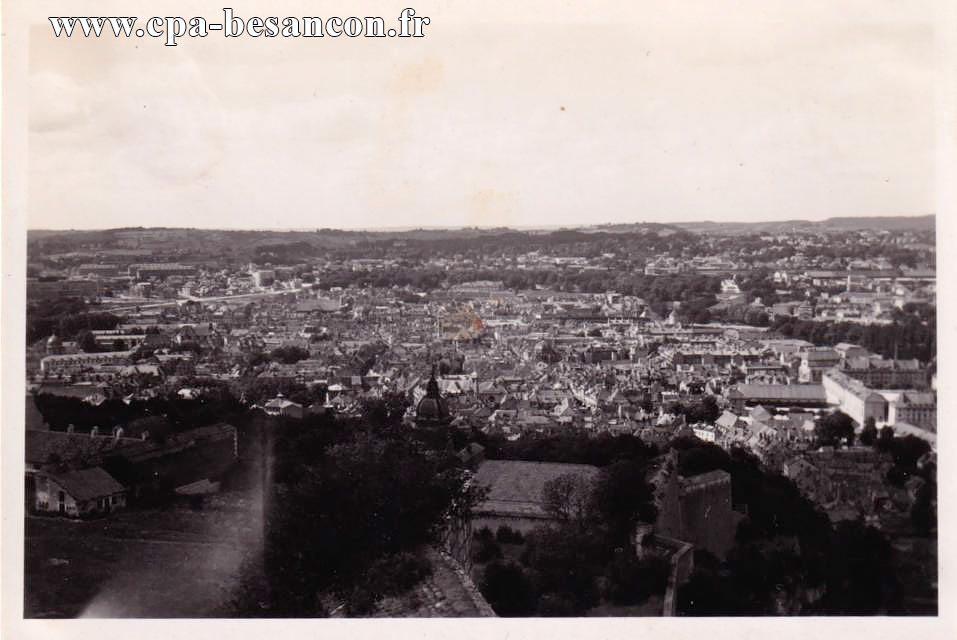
{"x": 633, "y": 419}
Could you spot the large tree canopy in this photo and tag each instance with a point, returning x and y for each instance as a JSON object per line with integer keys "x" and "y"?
{"x": 342, "y": 506}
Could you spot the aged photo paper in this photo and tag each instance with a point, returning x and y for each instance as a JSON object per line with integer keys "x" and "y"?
{"x": 604, "y": 319}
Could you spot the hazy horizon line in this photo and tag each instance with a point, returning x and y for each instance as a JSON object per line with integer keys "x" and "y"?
{"x": 314, "y": 229}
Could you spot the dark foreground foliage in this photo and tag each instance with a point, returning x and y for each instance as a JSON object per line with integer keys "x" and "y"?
{"x": 346, "y": 513}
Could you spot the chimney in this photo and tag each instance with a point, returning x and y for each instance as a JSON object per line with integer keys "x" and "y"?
{"x": 145, "y": 436}
{"x": 70, "y": 429}
{"x": 95, "y": 431}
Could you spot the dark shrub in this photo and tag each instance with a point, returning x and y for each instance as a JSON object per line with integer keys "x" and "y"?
{"x": 557, "y": 606}
{"x": 397, "y": 573}
{"x": 507, "y": 535}
{"x": 486, "y": 550}
{"x": 632, "y": 581}
{"x": 508, "y": 590}
{"x": 484, "y": 534}
{"x": 626, "y": 582}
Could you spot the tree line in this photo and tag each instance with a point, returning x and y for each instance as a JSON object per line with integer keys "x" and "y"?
{"x": 907, "y": 337}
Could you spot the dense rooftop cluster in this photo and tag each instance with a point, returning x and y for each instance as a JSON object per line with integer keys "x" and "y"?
{"x": 764, "y": 342}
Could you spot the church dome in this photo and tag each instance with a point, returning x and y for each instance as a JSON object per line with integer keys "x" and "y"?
{"x": 432, "y": 409}
{"x": 54, "y": 344}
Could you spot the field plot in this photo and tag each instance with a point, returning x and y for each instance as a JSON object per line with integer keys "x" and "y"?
{"x": 174, "y": 562}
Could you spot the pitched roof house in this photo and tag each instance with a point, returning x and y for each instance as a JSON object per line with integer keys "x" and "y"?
{"x": 78, "y": 494}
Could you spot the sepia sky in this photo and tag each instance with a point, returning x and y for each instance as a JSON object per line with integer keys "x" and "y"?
{"x": 522, "y": 114}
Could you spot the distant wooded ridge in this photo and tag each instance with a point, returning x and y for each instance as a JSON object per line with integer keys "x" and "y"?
{"x": 876, "y": 223}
